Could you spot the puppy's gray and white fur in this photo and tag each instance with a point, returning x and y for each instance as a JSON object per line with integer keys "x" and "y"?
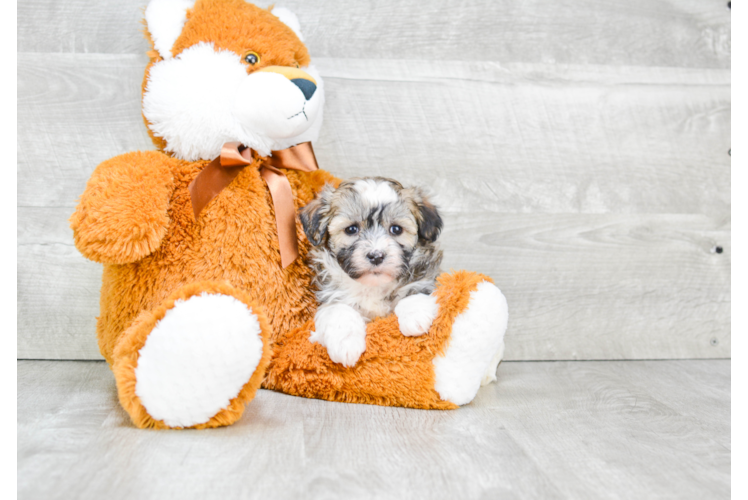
{"x": 375, "y": 251}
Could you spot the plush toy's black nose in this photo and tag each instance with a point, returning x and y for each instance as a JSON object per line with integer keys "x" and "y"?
{"x": 376, "y": 257}
{"x": 307, "y": 87}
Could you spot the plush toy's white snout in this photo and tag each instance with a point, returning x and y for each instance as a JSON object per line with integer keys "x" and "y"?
{"x": 202, "y": 98}
{"x": 277, "y": 102}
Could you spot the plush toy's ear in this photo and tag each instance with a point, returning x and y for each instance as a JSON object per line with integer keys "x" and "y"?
{"x": 289, "y": 19}
{"x": 165, "y": 20}
{"x": 315, "y": 216}
{"x": 429, "y": 221}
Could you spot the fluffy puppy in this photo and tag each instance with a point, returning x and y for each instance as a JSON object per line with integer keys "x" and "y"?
{"x": 375, "y": 252}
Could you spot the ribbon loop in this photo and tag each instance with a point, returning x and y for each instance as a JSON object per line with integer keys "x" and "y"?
{"x": 234, "y": 157}
{"x": 233, "y": 154}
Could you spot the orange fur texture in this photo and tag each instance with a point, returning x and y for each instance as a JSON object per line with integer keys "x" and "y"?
{"x": 136, "y": 218}
{"x": 234, "y": 239}
{"x": 128, "y": 348}
{"x": 394, "y": 370}
{"x": 125, "y": 228}
{"x": 237, "y": 26}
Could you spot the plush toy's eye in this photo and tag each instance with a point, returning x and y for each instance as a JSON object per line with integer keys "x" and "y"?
{"x": 297, "y": 65}
{"x": 251, "y": 57}
{"x": 351, "y": 230}
{"x": 396, "y": 230}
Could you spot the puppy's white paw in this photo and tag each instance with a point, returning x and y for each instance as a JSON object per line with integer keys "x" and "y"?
{"x": 416, "y": 313}
{"x": 341, "y": 330}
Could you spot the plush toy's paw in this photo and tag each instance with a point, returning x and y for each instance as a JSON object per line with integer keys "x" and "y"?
{"x": 193, "y": 362}
{"x": 475, "y": 347}
{"x": 341, "y": 330}
{"x": 416, "y": 313}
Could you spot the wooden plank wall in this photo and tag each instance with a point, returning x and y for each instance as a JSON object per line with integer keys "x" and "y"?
{"x": 578, "y": 150}
{"x": 737, "y": 97}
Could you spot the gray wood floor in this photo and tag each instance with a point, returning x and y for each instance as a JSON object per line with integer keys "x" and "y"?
{"x": 574, "y": 430}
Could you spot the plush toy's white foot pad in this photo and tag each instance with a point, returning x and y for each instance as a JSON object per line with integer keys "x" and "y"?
{"x": 416, "y": 313}
{"x": 342, "y": 330}
{"x": 198, "y": 358}
{"x": 475, "y": 346}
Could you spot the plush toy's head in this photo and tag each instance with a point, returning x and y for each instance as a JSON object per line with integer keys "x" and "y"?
{"x": 227, "y": 70}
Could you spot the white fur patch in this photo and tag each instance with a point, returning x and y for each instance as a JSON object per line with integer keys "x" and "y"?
{"x": 272, "y": 104}
{"x": 189, "y": 101}
{"x": 477, "y": 337}
{"x": 198, "y": 358}
{"x": 289, "y": 19}
{"x": 165, "y": 20}
{"x": 416, "y": 313}
{"x": 341, "y": 330}
{"x": 203, "y": 98}
{"x": 490, "y": 375}
{"x": 314, "y": 110}
{"x": 376, "y": 193}
{"x": 370, "y": 301}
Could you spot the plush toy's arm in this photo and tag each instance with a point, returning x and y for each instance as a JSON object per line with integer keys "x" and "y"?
{"x": 122, "y": 215}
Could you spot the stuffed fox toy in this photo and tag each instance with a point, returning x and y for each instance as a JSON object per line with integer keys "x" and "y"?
{"x": 205, "y": 294}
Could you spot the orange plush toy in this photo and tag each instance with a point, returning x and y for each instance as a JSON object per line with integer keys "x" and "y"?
{"x": 206, "y": 295}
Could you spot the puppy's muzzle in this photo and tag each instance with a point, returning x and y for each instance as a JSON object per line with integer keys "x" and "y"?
{"x": 376, "y": 257}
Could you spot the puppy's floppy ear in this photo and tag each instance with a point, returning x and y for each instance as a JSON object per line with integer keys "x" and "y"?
{"x": 315, "y": 216}
{"x": 428, "y": 218}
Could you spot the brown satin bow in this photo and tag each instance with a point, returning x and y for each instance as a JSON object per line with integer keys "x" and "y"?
{"x": 233, "y": 159}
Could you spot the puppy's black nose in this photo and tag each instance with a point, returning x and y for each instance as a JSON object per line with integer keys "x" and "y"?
{"x": 307, "y": 87}
{"x": 376, "y": 257}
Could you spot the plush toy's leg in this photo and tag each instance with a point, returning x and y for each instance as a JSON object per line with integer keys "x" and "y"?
{"x": 475, "y": 347}
{"x": 439, "y": 370}
{"x": 195, "y": 360}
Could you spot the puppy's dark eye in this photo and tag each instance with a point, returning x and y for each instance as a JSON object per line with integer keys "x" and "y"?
{"x": 351, "y": 230}
{"x": 396, "y": 230}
